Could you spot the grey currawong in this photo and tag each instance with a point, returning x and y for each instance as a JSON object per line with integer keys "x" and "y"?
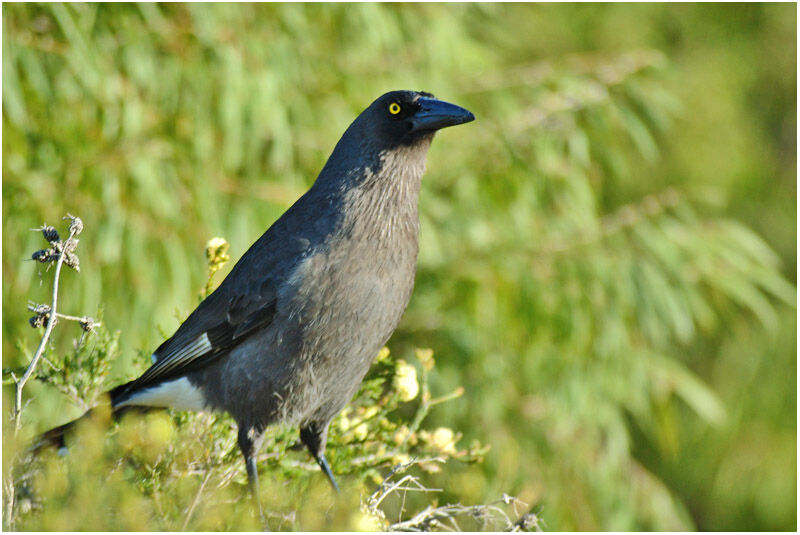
{"x": 290, "y": 333}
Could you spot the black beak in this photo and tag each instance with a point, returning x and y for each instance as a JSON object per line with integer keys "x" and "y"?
{"x": 434, "y": 114}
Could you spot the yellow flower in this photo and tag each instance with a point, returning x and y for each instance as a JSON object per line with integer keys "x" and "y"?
{"x": 360, "y": 432}
{"x": 344, "y": 423}
{"x": 405, "y": 381}
{"x": 382, "y": 354}
{"x": 401, "y": 434}
{"x": 365, "y": 522}
{"x": 367, "y": 412}
{"x": 217, "y": 251}
{"x": 425, "y": 356}
{"x": 443, "y": 439}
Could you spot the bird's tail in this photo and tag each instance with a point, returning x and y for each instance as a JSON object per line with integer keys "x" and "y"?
{"x": 55, "y": 436}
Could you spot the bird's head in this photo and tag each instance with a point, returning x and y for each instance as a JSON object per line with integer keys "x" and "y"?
{"x": 408, "y": 117}
{"x": 396, "y": 131}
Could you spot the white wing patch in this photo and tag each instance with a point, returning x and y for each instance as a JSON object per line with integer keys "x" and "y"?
{"x": 199, "y": 346}
{"x": 178, "y": 359}
{"x": 179, "y": 394}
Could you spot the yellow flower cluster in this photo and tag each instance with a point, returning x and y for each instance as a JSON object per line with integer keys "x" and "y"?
{"x": 405, "y": 381}
{"x": 217, "y": 253}
{"x": 443, "y": 439}
{"x": 425, "y": 356}
{"x": 356, "y": 423}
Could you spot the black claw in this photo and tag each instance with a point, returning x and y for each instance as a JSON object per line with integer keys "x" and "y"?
{"x": 313, "y": 436}
{"x": 326, "y": 468}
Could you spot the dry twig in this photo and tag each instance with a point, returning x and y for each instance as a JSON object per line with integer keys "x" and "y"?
{"x": 63, "y": 252}
{"x": 492, "y": 516}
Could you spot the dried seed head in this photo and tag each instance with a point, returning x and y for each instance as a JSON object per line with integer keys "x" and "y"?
{"x": 42, "y": 312}
{"x": 70, "y": 245}
{"x": 39, "y": 309}
{"x": 76, "y": 227}
{"x": 528, "y": 521}
{"x": 50, "y": 234}
{"x": 88, "y": 324}
{"x": 44, "y": 255}
{"x": 72, "y": 260}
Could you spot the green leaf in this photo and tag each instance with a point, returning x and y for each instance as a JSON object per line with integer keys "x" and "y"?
{"x": 686, "y": 385}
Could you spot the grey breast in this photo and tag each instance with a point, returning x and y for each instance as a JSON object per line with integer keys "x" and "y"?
{"x": 339, "y": 304}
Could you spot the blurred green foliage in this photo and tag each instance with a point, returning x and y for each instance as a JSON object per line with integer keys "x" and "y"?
{"x": 608, "y": 254}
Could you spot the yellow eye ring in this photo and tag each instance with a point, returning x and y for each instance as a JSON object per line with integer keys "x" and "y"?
{"x": 394, "y": 108}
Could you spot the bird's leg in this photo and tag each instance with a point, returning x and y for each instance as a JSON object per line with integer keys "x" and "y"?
{"x": 314, "y": 439}
{"x": 252, "y": 482}
{"x": 249, "y": 442}
{"x": 326, "y": 468}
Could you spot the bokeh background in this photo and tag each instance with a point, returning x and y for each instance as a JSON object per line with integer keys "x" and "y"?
{"x": 608, "y": 254}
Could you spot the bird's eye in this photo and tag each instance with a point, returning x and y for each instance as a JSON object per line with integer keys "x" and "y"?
{"x": 394, "y": 108}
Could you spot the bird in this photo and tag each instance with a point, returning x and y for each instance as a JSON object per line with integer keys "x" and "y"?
{"x": 290, "y": 333}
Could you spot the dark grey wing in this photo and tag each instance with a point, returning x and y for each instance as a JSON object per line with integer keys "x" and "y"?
{"x": 219, "y": 324}
{"x": 245, "y": 302}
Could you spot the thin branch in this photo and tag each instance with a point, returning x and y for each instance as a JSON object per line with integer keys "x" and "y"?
{"x": 84, "y": 319}
{"x": 43, "y": 311}
{"x": 196, "y": 500}
{"x": 10, "y": 495}
{"x": 74, "y": 229}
